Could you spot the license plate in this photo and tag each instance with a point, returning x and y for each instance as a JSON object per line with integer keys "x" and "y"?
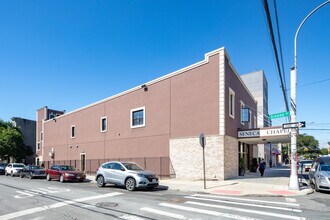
{"x": 154, "y": 180}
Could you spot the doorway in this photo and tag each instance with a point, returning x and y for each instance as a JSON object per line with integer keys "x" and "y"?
{"x": 83, "y": 162}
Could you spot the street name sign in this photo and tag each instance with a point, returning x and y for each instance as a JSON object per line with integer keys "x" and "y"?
{"x": 279, "y": 115}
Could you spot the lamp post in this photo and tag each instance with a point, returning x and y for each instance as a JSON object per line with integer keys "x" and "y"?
{"x": 294, "y": 185}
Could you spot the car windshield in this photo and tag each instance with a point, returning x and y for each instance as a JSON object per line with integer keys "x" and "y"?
{"x": 325, "y": 168}
{"x": 18, "y": 165}
{"x": 132, "y": 166}
{"x": 35, "y": 167}
{"x": 68, "y": 168}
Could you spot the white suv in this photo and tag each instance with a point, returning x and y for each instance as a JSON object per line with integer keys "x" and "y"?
{"x": 14, "y": 168}
{"x": 126, "y": 174}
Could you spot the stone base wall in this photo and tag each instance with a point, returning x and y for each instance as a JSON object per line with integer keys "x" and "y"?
{"x": 230, "y": 157}
{"x": 186, "y": 156}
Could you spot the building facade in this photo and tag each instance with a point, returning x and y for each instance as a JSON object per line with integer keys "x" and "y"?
{"x": 158, "y": 124}
{"x": 28, "y": 129}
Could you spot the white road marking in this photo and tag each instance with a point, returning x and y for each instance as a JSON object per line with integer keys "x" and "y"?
{"x": 247, "y": 210}
{"x": 290, "y": 200}
{"x": 32, "y": 192}
{"x": 245, "y": 204}
{"x": 167, "y": 214}
{"x": 247, "y": 200}
{"x": 130, "y": 217}
{"x": 55, "y": 205}
{"x": 208, "y": 212}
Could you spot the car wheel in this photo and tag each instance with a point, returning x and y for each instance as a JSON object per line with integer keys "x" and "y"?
{"x": 317, "y": 189}
{"x": 21, "y": 175}
{"x": 100, "y": 181}
{"x": 130, "y": 184}
{"x": 62, "y": 178}
{"x": 30, "y": 176}
{"x": 48, "y": 177}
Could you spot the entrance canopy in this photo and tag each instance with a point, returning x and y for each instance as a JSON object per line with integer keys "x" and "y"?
{"x": 264, "y": 135}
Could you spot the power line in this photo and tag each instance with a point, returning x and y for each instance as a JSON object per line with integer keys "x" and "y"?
{"x": 312, "y": 83}
{"x": 271, "y": 32}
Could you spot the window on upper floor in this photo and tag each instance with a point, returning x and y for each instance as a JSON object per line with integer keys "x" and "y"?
{"x": 243, "y": 113}
{"x": 73, "y": 131}
{"x": 231, "y": 103}
{"x": 104, "y": 124}
{"x": 138, "y": 117}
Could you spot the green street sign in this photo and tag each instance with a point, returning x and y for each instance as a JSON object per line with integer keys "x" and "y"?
{"x": 279, "y": 115}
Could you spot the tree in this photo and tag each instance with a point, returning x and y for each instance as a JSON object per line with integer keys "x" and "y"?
{"x": 308, "y": 146}
{"x": 324, "y": 151}
{"x": 12, "y": 143}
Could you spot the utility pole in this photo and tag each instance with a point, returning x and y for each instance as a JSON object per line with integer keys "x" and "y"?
{"x": 294, "y": 185}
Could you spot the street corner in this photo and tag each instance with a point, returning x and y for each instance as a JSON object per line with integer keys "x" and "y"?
{"x": 227, "y": 192}
{"x": 283, "y": 192}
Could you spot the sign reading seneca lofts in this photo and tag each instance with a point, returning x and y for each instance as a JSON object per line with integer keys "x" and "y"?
{"x": 263, "y": 133}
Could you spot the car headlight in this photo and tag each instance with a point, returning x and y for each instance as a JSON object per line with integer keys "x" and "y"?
{"x": 141, "y": 175}
{"x": 322, "y": 177}
{"x": 69, "y": 174}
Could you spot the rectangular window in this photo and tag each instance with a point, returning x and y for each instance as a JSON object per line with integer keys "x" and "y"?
{"x": 243, "y": 112}
{"x": 41, "y": 136}
{"x": 38, "y": 146}
{"x": 231, "y": 103}
{"x": 104, "y": 124}
{"x": 73, "y": 131}
{"x": 138, "y": 117}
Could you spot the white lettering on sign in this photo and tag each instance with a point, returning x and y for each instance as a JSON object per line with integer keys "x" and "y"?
{"x": 32, "y": 192}
{"x": 263, "y": 133}
{"x": 253, "y": 133}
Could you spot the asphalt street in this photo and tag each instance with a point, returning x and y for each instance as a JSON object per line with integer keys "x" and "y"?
{"x": 40, "y": 199}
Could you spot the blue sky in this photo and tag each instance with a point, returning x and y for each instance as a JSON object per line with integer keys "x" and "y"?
{"x": 68, "y": 54}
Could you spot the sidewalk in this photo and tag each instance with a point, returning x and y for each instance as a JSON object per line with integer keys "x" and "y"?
{"x": 274, "y": 183}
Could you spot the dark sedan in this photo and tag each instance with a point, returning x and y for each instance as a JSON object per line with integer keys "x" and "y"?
{"x": 3, "y": 168}
{"x": 32, "y": 171}
{"x": 64, "y": 173}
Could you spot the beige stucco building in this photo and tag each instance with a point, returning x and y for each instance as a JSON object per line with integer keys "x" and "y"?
{"x": 158, "y": 124}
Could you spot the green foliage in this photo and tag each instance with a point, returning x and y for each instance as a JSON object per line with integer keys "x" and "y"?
{"x": 12, "y": 143}
{"x": 324, "y": 151}
{"x": 307, "y": 146}
{"x": 242, "y": 163}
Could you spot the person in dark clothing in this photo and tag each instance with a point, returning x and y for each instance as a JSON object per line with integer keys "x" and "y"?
{"x": 262, "y": 167}
{"x": 270, "y": 163}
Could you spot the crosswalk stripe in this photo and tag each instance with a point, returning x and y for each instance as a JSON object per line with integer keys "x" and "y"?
{"x": 245, "y": 204}
{"x": 247, "y": 200}
{"x": 208, "y": 212}
{"x": 246, "y": 210}
{"x": 159, "y": 212}
{"x": 55, "y": 205}
{"x": 130, "y": 217}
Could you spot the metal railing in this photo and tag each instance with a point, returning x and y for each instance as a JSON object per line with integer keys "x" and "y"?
{"x": 161, "y": 166}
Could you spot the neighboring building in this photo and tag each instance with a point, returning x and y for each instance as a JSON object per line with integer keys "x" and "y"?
{"x": 258, "y": 86}
{"x": 158, "y": 124}
{"x": 28, "y": 129}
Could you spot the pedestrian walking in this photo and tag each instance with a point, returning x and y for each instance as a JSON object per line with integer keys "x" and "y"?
{"x": 262, "y": 167}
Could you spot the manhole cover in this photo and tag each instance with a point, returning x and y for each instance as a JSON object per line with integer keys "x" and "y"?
{"x": 106, "y": 204}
